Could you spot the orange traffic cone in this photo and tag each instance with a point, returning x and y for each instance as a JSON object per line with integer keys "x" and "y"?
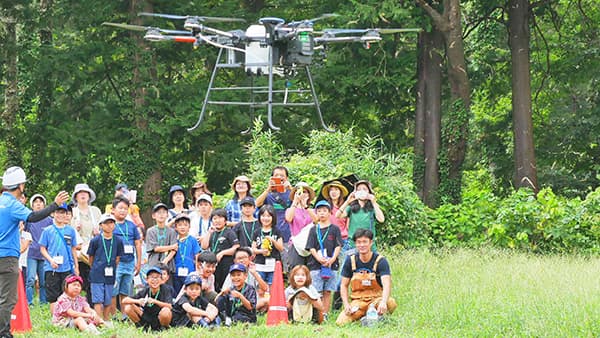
{"x": 277, "y": 310}
{"x": 20, "y": 321}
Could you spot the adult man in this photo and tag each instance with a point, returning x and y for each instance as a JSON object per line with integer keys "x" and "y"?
{"x": 11, "y": 213}
{"x": 368, "y": 274}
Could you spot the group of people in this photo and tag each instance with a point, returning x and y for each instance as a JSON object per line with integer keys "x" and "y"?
{"x": 201, "y": 265}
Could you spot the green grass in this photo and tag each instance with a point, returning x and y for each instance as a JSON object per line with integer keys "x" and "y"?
{"x": 460, "y": 293}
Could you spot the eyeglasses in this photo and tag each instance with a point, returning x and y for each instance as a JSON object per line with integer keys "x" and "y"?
{"x": 155, "y": 277}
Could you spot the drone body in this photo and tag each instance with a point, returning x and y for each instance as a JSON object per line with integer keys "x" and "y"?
{"x": 271, "y": 47}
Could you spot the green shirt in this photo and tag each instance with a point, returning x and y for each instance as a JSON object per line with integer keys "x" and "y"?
{"x": 361, "y": 219}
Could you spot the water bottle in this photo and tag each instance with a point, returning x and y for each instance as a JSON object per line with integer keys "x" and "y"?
{"x": 372, "y": 313}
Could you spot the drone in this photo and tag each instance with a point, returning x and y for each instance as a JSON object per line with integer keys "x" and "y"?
{"x": 270, "y": 47}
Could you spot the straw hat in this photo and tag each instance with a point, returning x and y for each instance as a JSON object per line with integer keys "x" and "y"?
{"x": 337, "y": 184}
{"x": 241, "y": 178}
{"x": 304, "y": 186}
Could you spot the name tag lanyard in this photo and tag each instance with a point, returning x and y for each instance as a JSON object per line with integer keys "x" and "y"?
{"x": 124, "y": 234}
{"x": 322, "y": 239}
{"x": 251, "y": 232}
{"x": 109, "y": 254}
{"x": 183, "y": 250}
{"x": 215, "y": 238}
{"x": 62, "y": 237}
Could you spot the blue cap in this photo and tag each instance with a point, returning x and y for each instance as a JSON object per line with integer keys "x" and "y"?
{"x": 192, "y": 279}
{"x": 237, "y": 267}
{"x": 153, "y": 269}
{"x": 323, "y": 203}
{"x": 121, "y": 186}
{"x": 176, "y": 188}
{"x": 66, "y": 206}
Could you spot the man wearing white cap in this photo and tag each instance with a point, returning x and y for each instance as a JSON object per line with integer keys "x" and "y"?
{"x": 11, "y": 213}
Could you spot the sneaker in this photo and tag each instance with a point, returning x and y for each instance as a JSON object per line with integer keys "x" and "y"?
{"x": 91, "y": 328}
{"x": 109, "y": 324}
{"x": 325, "y": 317}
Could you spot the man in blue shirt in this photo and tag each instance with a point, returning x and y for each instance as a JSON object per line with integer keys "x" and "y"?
{"x": 11, "y": 213}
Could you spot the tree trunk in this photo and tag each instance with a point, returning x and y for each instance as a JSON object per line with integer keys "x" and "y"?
{"x": 11, "y": 94}
{"x": 419, "y": 145}
{"x": 456, "y": 129}
{"x": 152, "y": 184}
{"x": 524, "y": 151}
{"x": 433, "y": 108}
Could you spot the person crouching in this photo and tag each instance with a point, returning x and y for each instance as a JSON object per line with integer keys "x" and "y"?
{"x": 151, "y": 307}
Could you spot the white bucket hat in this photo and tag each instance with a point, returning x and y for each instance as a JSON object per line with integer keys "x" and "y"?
{"x": 83, "y": 187}
{"x": 40, "y": 196}
{"x": 13, "y": 176}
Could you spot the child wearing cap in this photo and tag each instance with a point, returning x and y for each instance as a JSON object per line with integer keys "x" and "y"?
{"x": 248, "y": 224}
{"x": 35, "y": 260}
{"x": 58, "y": 245}
{"x": 238, "y": 303}
{"x": 192, "y": 308}
{"x": 206, "y": 263}
{"x": 150, "y": 308}
{"x": 104, "y": 252}
{"x": 243, "y": 255}
{"x": 72, "y": 310}
{"x": 161, "y": 240}
{"x": 324, "y": 243}
{"x": 187, "y": 250}
{"x": 200, "y": 218}
{"x": 222, "y": 242}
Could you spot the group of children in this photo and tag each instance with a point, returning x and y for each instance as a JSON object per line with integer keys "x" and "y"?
{"x": 201, "y": 269}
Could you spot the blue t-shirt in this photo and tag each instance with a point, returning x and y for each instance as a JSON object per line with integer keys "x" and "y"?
{"x": 128, "y": 233}
{"x": 186, "y": 253}
{"x": 52, "y": 241}
{"x": 105, "y": 253}
{"x": 280, "y": 201}
{"x": 11, "y": 213}
{"x": 36, "y": 229}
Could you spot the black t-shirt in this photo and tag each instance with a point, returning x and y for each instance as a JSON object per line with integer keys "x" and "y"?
{"x": 383, "y": 267}
{"x": 330, "y": 237}
{"x": 163, "y": 294}
{"x": 244, "y": 231}
{"x": 233, "y": 307}
{"x": 258, "y": 236}
{"x": 180, "y": 317}
{"x": 222, "y": 240}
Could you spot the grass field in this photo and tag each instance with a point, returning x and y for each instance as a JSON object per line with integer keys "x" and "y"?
{"x": 460, "y": 293}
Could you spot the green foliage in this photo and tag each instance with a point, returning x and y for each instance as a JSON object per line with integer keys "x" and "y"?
{"x": 331, "y": 155}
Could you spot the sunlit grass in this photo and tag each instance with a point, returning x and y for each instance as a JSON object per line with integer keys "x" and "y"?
{"x": 460, "y": 293}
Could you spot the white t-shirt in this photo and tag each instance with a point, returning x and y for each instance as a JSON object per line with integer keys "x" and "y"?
{"x": 23, "y": 257}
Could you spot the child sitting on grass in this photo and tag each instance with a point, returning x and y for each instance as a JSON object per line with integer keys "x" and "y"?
{"x": 193, "y": 309}
{"x": 238, "y": 303}
{"x": 73, "y": 310}
{"x": 151, "y": 307}
{"x": 303, "y": 301}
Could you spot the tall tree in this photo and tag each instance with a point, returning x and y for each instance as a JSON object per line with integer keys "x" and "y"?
{"x": 11, "y": 95}
{"x": 525, "y": 174}
{"x": 428, "y": 116}
{"x": 455, "y": 134}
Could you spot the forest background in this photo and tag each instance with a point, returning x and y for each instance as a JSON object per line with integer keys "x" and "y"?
{"x": 481, "y": 129}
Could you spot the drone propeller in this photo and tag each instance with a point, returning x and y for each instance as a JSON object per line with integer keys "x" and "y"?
{"x": 311, "y": 21}
{"x": 185, "y": 17}
{"x": 146, "y": 29}
{"x": 335, "y": 31}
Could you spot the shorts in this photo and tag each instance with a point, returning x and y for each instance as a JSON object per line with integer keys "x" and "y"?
{"x": 101, "y": 293}
{"x": 267, "y": 276}
{"x": 149, "y": 319}
{"x": 323, "y": 284}
{"x": 124, "y": 279}
{"x": 54, "y": 284}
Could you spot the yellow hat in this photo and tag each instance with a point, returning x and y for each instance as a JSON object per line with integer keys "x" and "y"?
{"x": 337, "y": 184}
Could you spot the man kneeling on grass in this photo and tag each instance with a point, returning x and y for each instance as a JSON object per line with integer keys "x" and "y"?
{"x": 151, "y": 307}
{"x": 368, "y": 275}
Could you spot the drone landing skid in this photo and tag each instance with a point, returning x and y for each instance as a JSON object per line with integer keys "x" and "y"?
{"x": 269, "y": 90}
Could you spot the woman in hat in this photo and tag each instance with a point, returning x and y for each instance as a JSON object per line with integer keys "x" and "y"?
{"x": 199, "y": 188}
{"x": 361, "y": 209}
{"x": 85, "y": 221}
{"x": 178, "y": 203}
{"x": 241, "y": 188}
{"x": 299, "y": 214}
{"x": 335, "y": 193}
